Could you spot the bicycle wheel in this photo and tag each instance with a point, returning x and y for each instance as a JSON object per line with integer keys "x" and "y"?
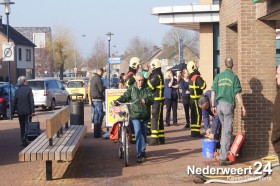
{"x": 120, "y": 143}
{"x": 125, "y": 148}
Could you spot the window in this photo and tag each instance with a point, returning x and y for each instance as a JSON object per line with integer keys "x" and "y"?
{"x": 28, "y": 54}
{"x": 39, "y": 39}
{"x": 19, "y": 54}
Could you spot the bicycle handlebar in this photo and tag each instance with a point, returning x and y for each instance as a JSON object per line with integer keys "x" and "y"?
{"x": 129, "y": 103}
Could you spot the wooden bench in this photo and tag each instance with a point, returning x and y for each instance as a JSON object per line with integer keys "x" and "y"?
{"x": 58, "y": 143}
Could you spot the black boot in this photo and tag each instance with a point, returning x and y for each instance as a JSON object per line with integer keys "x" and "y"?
{"x": 97, "y": 131}
{"x": 153, "y": 141}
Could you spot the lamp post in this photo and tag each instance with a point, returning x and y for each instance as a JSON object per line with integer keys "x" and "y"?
{"x": 7, "y": 4}
{"x": 109, "y": 34}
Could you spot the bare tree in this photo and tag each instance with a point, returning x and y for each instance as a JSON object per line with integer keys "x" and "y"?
{"x": 99, "y": 55}
{"x": 62, "y": 48}
{"x": 190, "y": 39}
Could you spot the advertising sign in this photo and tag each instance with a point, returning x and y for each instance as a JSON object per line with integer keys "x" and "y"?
{"x": 111, "y": 111}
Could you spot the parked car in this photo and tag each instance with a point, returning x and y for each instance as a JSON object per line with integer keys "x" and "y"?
{"x": 49, "y": 93}
{"x": 78, "y": 86}
{"x": 4, "y": 99}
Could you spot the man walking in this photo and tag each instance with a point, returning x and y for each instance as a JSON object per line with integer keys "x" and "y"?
{"x": 24, "y": 104}
{"x": 225, "y": 89}
{"x": 96, "y": 98}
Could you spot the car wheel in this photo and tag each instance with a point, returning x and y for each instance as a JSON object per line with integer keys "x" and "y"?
{"x": 52, "y": 107}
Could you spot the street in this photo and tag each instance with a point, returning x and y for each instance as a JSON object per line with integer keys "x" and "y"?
{"x": 97, "y": 161}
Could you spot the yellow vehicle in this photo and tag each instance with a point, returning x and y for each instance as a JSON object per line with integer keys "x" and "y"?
{"x": 78, "y": 86}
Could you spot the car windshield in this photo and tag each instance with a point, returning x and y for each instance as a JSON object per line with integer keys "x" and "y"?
{"x": 36, "y": 85}
{"x": 75, "y": 84}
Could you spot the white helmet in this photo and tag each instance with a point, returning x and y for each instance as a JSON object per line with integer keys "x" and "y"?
{"x": 134, "y": 63}
{"x": 155, "y": 64}
{"x": 191, "y": 67}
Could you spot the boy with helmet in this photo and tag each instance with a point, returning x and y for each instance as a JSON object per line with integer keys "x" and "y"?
{"x": 156, "y": 83}
{"x": 131, "y": 79}
{"x": 197, "y": 85}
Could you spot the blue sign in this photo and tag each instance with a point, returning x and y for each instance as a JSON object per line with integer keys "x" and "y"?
{"x": 115, "y": 60}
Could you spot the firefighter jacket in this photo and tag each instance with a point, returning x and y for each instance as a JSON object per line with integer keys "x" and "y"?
{"x": 132, "y": 94}
{"x": 156, "y": 83}
{"x": 197, "y": 85}
{"x": 131, "y": 78}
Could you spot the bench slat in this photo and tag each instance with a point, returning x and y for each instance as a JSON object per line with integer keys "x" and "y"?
{"x": 73, "y": 149}
{"x": 57, "y": 151}
{"x": 49, "y": 153}
{"x": 73, "y": 142}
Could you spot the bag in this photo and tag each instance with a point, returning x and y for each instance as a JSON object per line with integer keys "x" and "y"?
{"x": 114, "y": 134}
{"x": 32, "y": 131}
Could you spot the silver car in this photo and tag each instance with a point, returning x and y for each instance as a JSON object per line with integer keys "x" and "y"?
{"x": 49, "y": 93}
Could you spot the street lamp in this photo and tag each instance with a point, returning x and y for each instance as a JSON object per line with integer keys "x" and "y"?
{"x": 109, "y": 34}
{"x": 7, "y": 4}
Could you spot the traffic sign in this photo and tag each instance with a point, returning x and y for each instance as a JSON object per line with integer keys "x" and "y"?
{"x": 115, "y": 60}
{"x": 8, "y": 51}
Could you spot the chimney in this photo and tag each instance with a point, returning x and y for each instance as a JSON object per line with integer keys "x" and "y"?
{"x": 155, "y": 48}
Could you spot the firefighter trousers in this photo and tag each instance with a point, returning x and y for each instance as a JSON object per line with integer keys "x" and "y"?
{"x": 196, "y": 115}
{"x": 157, "y": 128}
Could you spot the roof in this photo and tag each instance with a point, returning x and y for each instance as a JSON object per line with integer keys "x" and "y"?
{"x": 17, "y": 37}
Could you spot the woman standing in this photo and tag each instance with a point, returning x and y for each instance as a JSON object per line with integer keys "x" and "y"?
{"x": 171, "y": 97}
{"x": 122, "y": 81}
{"x": 184, "y": 84}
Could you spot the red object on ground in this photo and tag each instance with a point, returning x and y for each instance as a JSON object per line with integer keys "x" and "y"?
{"x": 238, "y": 141}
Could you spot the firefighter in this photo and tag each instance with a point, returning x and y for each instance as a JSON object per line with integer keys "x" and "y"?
{"x": 156, "y": 83}
{"x": 196, "y": 86}
{"x": 131, "y": 79}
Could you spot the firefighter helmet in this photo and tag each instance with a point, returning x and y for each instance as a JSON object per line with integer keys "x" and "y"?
{"x": 134, "y": 63}
{"x": 155, "y": 64}
{"x": 191, "y": 67}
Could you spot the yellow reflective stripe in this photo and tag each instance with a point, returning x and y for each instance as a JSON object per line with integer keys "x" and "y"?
{"x": 127, "y": 84}
{"x": 154, "y": 136}
{"x": 196, "y": 130}
{"x": 161, "y": 135}
{"x": 196, "y": 96}
{"x": 160, "y": 86}
{"x": 204, "y": 86}
{"x": 154, "y": 131}
{"x": 150, "y": 85}
{"x": 159, "y": 98}
{"x": 161, "y": 131}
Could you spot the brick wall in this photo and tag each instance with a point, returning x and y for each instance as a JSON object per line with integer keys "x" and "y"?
{"x": 206, "y": 53}
{"x": 251, "y": 44}
{"x": 267, "y": 8}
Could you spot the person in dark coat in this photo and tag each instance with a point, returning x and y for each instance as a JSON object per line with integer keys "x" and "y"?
{"x": 96, "y": 95}
{"x": 24, "y": 104}
{"x": 275, "y": 137}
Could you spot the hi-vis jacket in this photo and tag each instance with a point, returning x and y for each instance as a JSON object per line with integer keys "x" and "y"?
{"x": 197, "y": 85}
{"x": 156, "y": 83}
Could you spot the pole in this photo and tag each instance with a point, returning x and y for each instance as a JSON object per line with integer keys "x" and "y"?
{"x": 109, "y": 64}
{"x": 9, "y": 73}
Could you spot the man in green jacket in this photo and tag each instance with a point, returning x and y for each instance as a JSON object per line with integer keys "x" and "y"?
{"x": 225, "y": 89}
{"x": 142, "y": 96}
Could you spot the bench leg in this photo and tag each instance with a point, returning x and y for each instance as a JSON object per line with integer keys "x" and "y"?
{"x": 49, "y": 170}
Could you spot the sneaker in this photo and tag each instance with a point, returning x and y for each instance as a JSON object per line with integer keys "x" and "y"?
{"x": 139, "y": 159}
{"x": 187, "y": 125}
{"x": 225, "y": 162}
{"x": 143, "y": 155}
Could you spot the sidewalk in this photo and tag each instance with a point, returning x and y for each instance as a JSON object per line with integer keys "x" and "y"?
{"x": 97, "y": 162}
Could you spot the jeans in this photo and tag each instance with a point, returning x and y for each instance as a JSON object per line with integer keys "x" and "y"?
{"x": 97, "y": 112}
{"x": 225, "y": 112}
{"x": 140, "y": 129}
{"x": 171, "y": 103}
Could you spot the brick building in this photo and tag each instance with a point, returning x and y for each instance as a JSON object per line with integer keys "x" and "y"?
{"x": 248, "y": 32}
{"x": 40, "y": 36}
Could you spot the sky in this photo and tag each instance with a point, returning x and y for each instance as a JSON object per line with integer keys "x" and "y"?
{"x": 94, "y": 18}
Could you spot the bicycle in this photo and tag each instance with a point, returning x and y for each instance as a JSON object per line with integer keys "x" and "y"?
{"x": 124, "y": 130}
